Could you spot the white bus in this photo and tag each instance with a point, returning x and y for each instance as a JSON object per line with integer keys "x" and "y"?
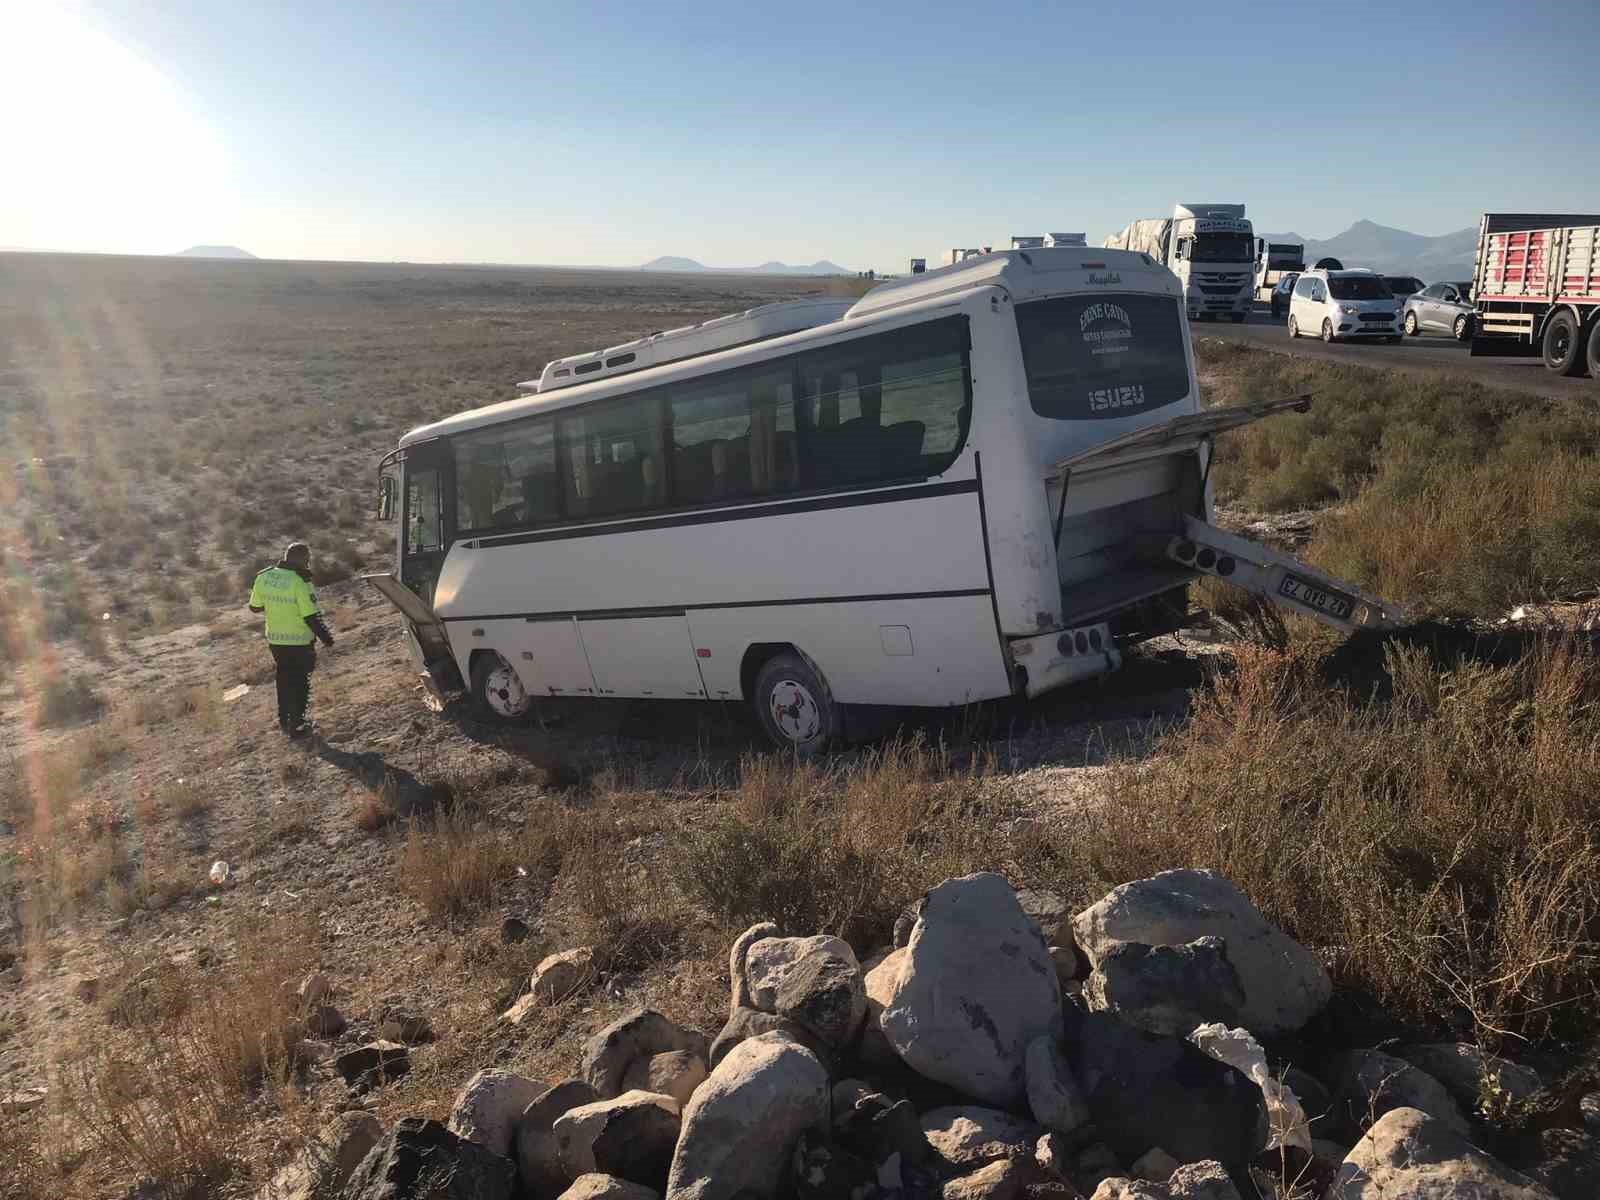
{"x": 980, "y": 481}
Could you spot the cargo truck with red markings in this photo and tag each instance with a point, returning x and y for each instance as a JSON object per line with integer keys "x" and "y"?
{"x": 1536, "y": 287}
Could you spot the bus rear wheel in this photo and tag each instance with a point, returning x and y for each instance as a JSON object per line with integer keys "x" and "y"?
{"x": 795, "y": 706}
{"x": 497, "y": 692}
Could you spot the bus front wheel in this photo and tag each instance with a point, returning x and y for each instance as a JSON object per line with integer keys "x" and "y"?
{"x": 497, "y": 692}
{"x": 795, "y": 706}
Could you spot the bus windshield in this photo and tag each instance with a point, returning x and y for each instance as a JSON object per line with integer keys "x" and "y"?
{"x": 1222, "y": 247}
{"x": 1102, "y": 356}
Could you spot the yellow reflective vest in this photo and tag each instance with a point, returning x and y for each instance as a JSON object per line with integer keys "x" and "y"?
{"x": 288, "y": 600}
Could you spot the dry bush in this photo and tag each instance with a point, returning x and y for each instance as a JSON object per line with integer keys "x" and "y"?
{"x": 15, "y": 800}
{"x": 288, "y": 820}
{"x": 603, "y": 892}
{"x": 843, "y": 847}
{"x": 25, "y": 1168}
{"x": 64, "y": 699}
{"x": 169, "y": 1102}
{"x": 1444, "y": 846}
{"x": 1454, "y": 497}
{"x": 101, "y": 746}
{"x": 69, "y": 842}
{"x": 184, "y": 796}
{"x": 1473, "y": 540}
{"x": 450, "y": 862}
{"x": 373, "y": 809}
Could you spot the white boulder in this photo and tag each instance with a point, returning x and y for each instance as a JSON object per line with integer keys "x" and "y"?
{"x": 1284, "y": 983}
{"x": 742, "y": 1122}
{"x": 977, "y": 985}
{"x": 1409, "y": 1155}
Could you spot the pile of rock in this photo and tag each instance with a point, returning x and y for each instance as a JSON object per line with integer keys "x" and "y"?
{"x": 1002, "y": 1048}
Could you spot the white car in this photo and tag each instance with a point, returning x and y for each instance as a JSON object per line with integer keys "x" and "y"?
{"x": 1335, "y": 305}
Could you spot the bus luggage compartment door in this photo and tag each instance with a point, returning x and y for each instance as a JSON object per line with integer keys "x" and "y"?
{"x": 551, "y": 657}
{"x": 643, "y": 655}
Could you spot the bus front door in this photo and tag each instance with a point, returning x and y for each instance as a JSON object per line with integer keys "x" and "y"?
{"x": 424, "y": 540}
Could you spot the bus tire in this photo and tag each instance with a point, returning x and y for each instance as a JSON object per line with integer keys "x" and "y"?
{"x": 795, "y": 705}
{"x": 1562, "y": 348}
{"x": 1593, "y": 354}
{"x": 497, "y": 692}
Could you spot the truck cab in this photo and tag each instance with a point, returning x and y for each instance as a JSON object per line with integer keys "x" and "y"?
{"x": 1211, "y": 252}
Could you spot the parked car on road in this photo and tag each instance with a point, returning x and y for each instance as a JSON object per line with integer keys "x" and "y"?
{"x": 1335, "y": 305}
{"x": 1402, "y": 286}
{"x": 1282, "y": 292}
{"x": 1440, "y": 308}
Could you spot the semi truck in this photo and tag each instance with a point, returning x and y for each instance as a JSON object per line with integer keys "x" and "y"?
{"x": 1536, "y": 285}
{"x": 1274, "y": 260}
{"x": 1209, "y": 248}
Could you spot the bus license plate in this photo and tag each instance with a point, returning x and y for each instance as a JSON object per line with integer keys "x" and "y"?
{"x": 1303, "y": 591}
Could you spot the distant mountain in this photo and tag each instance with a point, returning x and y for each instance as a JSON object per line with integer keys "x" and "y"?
{"x": 671, "y": 262}
{"x": 213, "y": 252}
{"x": 1394, "y": 251}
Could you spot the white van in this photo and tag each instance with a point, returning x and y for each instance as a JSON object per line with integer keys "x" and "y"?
{"x": 1335, "y": 305}
{"x": 979, "y": 481}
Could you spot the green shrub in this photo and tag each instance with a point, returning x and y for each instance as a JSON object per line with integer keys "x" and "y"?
{"x": 1441, "y": 848}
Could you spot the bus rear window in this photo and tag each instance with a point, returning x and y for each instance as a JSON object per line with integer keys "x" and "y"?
{"x": 1102, "y": 356}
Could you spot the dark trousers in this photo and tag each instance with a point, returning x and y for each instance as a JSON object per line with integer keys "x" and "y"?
{"x": 295, "y": 664}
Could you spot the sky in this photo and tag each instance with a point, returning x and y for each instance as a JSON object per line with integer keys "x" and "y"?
{"x": 735, "y": 132}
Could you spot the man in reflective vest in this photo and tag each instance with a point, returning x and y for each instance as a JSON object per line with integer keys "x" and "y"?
{"x": 284, "y": 593}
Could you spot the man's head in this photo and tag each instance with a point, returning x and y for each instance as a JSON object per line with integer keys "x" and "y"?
{"x": 297, "y": 555}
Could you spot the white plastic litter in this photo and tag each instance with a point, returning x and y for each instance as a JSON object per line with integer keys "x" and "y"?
{"x": 237, "y": 692}
{"x": 220, "y": 872}
{"x": 1285, "y": 1116}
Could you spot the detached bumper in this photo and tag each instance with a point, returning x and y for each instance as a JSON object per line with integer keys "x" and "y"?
{"x": 1053, "y": 660}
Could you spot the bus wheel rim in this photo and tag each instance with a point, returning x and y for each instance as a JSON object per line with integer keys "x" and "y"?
{"x": 794, "y": 711}
{"x": 505, "y": 692}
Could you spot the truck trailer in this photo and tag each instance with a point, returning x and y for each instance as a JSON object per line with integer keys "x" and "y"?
{"x": 1274, "y": 260}
{"x": 1536, "y": 286}
{"x": 1210, "y": 249}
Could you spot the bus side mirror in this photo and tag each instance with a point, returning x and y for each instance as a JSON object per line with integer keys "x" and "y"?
{"x": 386, "y": 498}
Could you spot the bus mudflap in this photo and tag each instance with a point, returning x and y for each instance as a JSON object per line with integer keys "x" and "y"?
{"x": 1282, "y": 579}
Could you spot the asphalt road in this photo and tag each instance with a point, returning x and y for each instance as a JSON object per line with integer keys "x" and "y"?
{"x": 1427, "y": 355}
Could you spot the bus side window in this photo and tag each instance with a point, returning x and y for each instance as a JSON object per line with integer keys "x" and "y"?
{"x": 885, "y": 407}
{"x": 506, "y": 477}
{"x": 614, "y": 457}
{"x": 725, "y": 433}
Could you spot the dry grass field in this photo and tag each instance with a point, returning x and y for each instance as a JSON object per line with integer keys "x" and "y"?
{"x": 190, "y": 416}
{"x": 1428, "y": 820}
